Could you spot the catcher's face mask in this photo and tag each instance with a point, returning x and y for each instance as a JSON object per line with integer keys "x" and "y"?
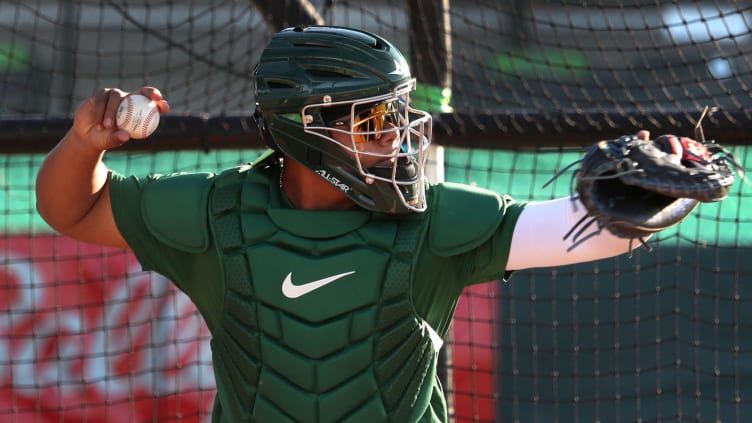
{"x": 381, "y": 117}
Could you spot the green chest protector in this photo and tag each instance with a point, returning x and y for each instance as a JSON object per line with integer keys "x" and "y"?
{"x": 317, "y": 322}
{"x": 318, "y": 325}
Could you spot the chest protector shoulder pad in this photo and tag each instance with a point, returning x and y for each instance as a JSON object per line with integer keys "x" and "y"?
{"x": 185, "y": 196}
{"x": 462, "y": 217}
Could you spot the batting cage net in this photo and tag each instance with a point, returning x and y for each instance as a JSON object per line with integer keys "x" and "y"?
{"x": 517, "y": 90}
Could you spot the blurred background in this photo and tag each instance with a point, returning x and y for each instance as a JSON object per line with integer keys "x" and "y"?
{"x": 517, "y": 90}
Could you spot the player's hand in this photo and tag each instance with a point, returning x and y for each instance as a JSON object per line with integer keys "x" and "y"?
{"x": 94, "y": 123}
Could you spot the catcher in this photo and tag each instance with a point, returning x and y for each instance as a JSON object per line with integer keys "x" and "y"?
{"x": 329, "y": 269}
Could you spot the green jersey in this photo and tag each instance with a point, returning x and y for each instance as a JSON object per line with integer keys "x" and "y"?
{"x": 316, "y": 316}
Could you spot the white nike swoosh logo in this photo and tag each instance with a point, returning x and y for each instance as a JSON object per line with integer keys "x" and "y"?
{"x": 294, "y": 291}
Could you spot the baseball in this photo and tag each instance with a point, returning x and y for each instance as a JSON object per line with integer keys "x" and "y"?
{"x": 137, "y": 115}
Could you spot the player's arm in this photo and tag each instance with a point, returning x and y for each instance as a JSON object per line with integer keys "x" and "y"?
{"x": 72, "y": 183}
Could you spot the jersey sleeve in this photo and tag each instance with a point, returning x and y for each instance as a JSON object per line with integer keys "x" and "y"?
{"x": 163, "y": 220}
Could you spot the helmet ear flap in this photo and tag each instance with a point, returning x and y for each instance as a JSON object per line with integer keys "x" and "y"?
{"x": 263, "y": 130}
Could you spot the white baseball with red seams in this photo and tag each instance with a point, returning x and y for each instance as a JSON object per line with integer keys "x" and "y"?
{"x": 138, "y": 115}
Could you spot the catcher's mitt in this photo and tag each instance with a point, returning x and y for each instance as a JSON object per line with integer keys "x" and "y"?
{"x": 634, "y": 187}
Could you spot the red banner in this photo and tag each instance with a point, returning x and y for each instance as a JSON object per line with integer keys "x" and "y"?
{"x": 474, "y": 351}
{"x": 85, "y": 335}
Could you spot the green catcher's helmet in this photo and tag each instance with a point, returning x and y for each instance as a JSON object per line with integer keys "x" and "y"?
{"x": 314, "y": 81}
